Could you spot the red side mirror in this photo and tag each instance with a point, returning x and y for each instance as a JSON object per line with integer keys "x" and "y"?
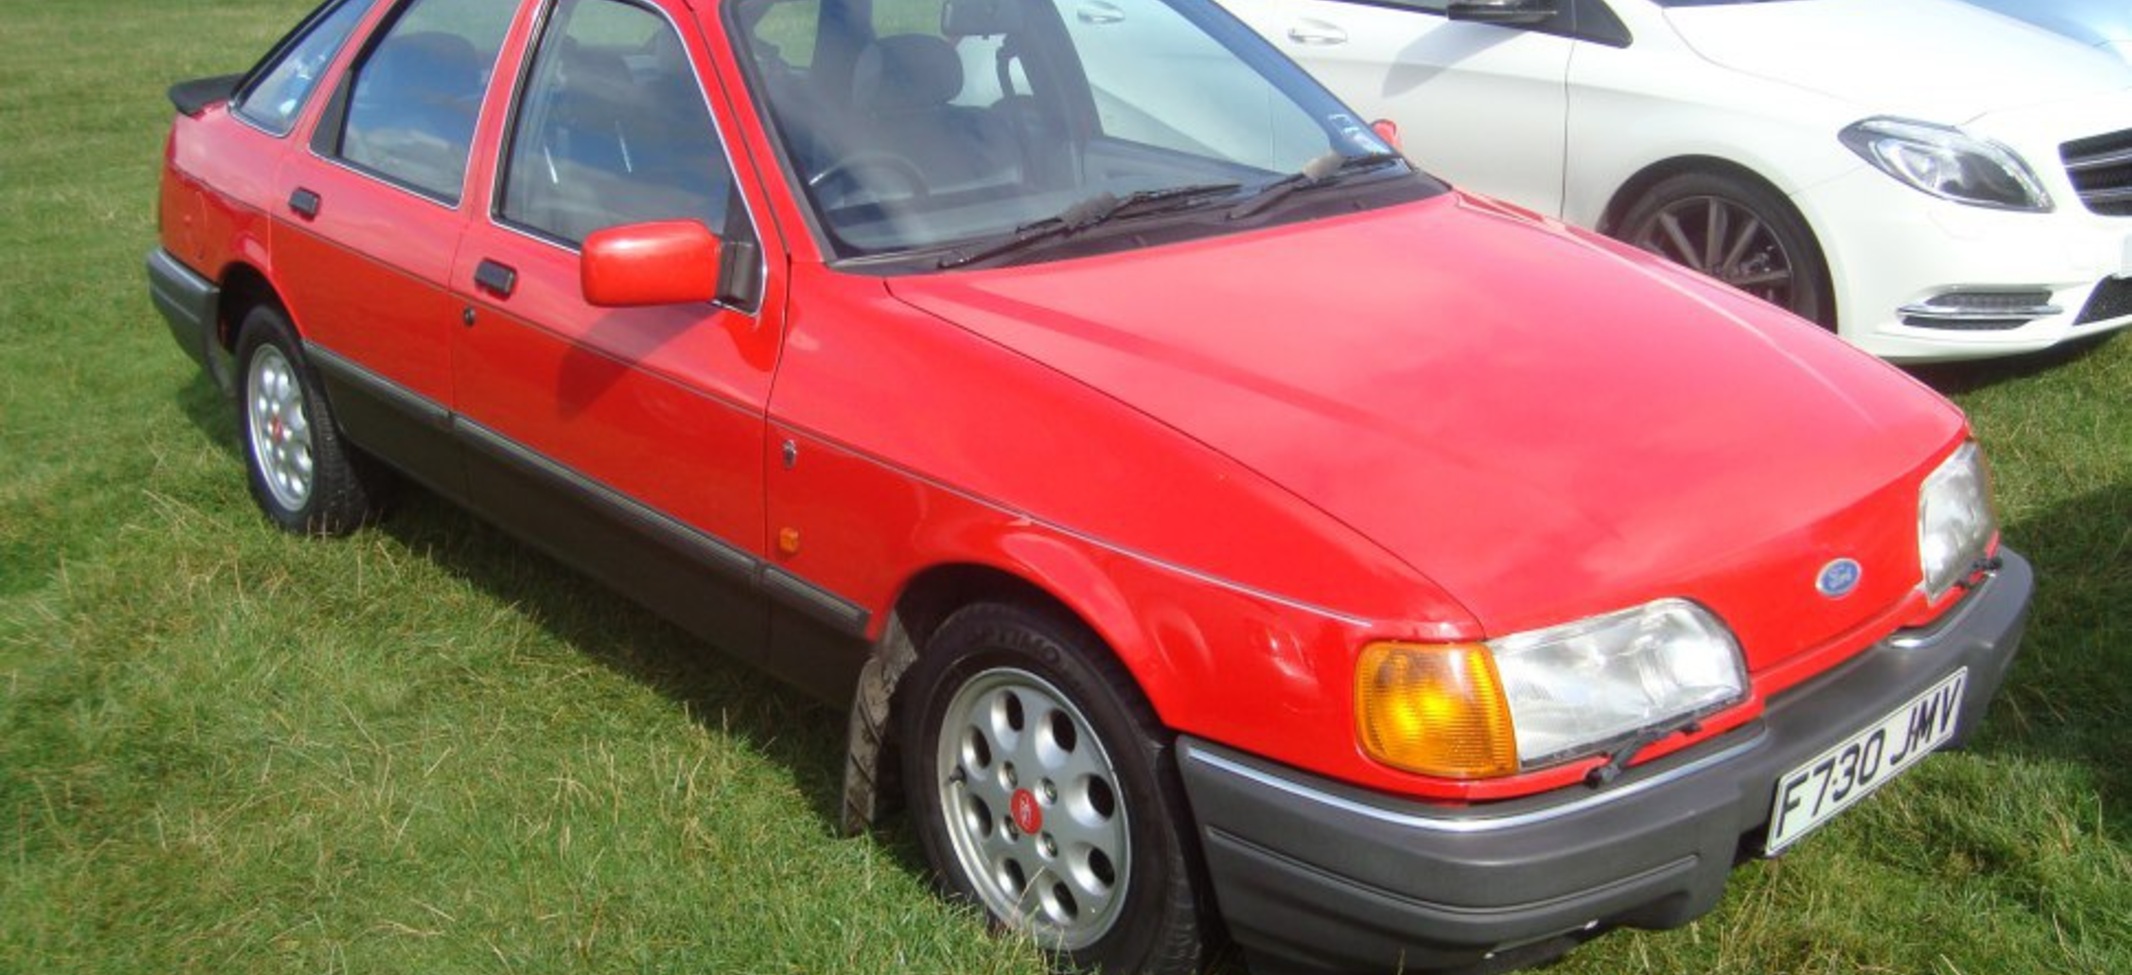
{"x": 669, "y": 262}
{"x": 1387, "y": 130}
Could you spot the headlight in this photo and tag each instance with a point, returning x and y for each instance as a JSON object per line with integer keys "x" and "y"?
{"x": 1948, "y": 163}
{"x": 1954, "y": 519}
{"x": 1475, "y": 711}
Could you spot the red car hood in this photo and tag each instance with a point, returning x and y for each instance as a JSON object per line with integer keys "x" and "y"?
{"x": 1545, "y": 425}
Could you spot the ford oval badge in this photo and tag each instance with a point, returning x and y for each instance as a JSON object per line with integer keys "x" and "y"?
{"x": 1839, "y": 578}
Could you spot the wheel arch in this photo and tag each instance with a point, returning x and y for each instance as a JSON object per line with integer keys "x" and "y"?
{"x": 1638, "y": 186}
{"x": 244, "y": 287}
{"x": 923, "y": 603}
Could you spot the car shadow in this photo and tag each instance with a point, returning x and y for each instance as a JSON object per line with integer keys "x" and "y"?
{"x": 1968, "y": 376}
{"x": 2066, "y": 699}
{"x": 718, "y": 691}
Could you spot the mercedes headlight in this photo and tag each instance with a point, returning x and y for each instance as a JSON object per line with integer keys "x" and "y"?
{"x": 1955, "y": 521}
{"x": 1948, "y": 163}
{"x": 1544, "y": 696}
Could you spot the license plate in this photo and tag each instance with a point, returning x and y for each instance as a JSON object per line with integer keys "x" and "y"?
{"x": 1836, "y": 779}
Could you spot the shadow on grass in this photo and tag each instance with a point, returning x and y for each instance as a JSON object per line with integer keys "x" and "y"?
{"x": 719, "y": 691}
{"x": 2067, "y": 699}
{"x": 1957, "y": 378}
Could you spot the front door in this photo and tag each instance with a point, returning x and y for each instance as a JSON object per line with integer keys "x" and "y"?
{"x": 630, "y": 440}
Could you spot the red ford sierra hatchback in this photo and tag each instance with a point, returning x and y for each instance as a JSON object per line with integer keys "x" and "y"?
{"x": 1215, "y": 526}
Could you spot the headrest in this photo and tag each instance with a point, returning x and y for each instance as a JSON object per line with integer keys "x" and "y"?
{"x": 905, "y": 72}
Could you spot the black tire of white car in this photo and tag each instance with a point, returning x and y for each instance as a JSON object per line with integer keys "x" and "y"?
{"x": 300, "y": 470}
{"x": 1676, "y": 217}
{"x": 1046, "y": 793}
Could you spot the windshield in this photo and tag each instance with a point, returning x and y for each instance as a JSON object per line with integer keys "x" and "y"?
{"x": 928, "y": 125}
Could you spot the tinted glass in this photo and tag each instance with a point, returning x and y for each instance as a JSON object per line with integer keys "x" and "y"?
{"x": 416, "y": 95}
{"x": 281, "y": 85}
{"x": 930, "y": 124}
{"x": 612, "y": 128}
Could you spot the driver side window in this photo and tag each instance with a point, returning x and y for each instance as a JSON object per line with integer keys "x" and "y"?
{"x": 612, "y": 128}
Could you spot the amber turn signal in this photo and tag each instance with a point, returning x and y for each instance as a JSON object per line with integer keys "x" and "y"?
{"x": 1434, "y": 709}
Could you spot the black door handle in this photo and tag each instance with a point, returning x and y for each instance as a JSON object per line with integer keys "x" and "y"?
{"x": 497, "y": 279}
{"x": 304, "y": 202}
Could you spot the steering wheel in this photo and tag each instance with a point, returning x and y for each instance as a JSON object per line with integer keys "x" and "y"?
{"x": 857, "y": 178}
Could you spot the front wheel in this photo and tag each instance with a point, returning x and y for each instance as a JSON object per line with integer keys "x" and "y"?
{"x": 1045, "y": 792}
{"x": 1739, "y": 232}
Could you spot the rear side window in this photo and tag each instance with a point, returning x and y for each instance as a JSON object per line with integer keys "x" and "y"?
{"x": 412, "y": 102}
{"x": 612, "y": 128}
{"x": 279, "y": 87}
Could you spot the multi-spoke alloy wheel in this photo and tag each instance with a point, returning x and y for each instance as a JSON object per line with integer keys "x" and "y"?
{"x": 281, "y": 433}
{"x": 1737, "y": 232}
{"x": 1032, "y": 805}
{"x": 301, "y": 474}
{"x": 1045, "y": 791}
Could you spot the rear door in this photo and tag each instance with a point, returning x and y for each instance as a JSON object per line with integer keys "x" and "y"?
{"x": 628, "y": 440}
{"x": 368, "y": 220}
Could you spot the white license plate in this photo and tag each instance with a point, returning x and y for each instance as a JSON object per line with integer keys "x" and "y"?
{"x": 1836, "y": 779}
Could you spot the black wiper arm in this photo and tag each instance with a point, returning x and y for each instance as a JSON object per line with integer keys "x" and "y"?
{"x": 1087, "y": 213}
{"x": 1324, "y": 170}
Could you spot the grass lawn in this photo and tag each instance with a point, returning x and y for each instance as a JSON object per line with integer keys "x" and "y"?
{"x": 425, "y": 749}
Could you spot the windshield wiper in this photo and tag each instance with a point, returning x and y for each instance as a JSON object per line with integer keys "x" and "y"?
{"x": 1097, "y": 209}
{"x": 1325, "y": 170}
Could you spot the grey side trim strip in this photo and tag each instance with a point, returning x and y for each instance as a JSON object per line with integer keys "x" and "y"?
{"x": 839, "y": 614}
{"x": 836, "y": 612}
{"x": 339, "y": 367}
{"x": 826, "y": 607}
{"x": 1470, "y": 824}
{"x": 704, "y": 549}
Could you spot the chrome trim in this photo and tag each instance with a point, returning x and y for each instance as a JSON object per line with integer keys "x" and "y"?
{"x": 2104, "y": 161}
{"x": 1956, "y": 314}
{"x": 1919, "y": 638}
{"x": 1477, "y": 824}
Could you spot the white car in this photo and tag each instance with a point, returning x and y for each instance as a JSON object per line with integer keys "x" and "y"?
{"x": 2105, "y": 24}
{"x": 1932, "y": 179}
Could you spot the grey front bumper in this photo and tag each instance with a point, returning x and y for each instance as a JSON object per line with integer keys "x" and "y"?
{"x": 1313, "y": 875}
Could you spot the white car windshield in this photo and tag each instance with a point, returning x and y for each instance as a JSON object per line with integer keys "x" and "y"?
{"x": 967, "y": 125}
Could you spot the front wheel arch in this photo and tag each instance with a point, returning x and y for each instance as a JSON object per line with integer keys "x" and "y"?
{"x": 1653, "y": 178}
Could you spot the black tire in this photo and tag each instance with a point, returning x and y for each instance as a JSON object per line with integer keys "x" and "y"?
{"x": 1107, "y": 877}
{"x": 302, "y": 473}
{"x": 1738, "y": 231}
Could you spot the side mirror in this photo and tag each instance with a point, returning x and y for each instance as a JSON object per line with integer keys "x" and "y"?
{"x": 1506, "y": 12}
{"x": 666, "y": 262}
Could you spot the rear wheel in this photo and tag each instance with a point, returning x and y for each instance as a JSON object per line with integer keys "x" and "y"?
{"x": 1739, "y": 232}
{"x": 1046, "y": 793}
{"x": 302, "y": 474}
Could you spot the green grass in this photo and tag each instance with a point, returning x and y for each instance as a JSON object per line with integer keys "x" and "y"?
{"x": 424, "y": 749}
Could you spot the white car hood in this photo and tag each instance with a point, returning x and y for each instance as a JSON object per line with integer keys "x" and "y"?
{"x": 1934, "y": 60}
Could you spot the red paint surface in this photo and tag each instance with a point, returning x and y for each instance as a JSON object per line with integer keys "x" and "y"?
{"x": 1240, "y": 459}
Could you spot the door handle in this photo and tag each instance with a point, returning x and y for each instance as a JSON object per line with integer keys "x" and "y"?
{"x": 497, "y": 279}
{"x": 1316, "y": 33}
{"x": 304, "y": 202}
